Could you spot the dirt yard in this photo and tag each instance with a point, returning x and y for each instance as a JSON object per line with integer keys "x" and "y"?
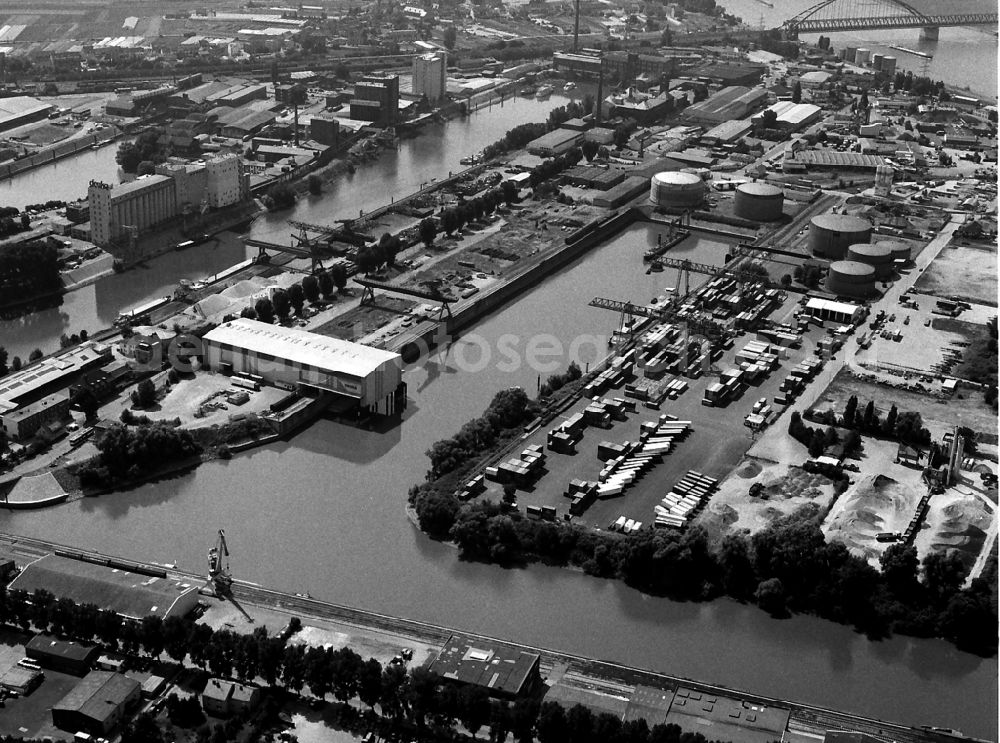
{"x": 956, "y": 521}
{"x": 966, "y": 272}
{"x": 786, "y": 489}
{"x": 876, "y": 504}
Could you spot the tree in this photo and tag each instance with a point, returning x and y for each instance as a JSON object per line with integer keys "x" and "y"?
{"x": 428, "y": 231}
{"x": 370, "y": 682}
{"x": 16, "y": 364}
{"x": 315, "y": 184}
{"x": 816, "y": 444}
{"x": 770, "y": 596}
{"x": 87, "y": 402}
{"x": 310, "y": 288}
{"x": 899, "y": 569}
{"x": 145, "y": 394}
{"x": 797, "y": 92}
{"x": 737, "y": 568}
{"x": 869, "y": 420}
{"x": 282, "y": 304}
{"x": 297, "y": 297}
{"x": 367, "y": 258}
{"x": 509, "y": 192}
{"x": 589, "y": 148}
{"x": 35, "y": 355}
{"x": 265, "y": 310}
{"x": 3, "y": 361}
{"x": 339, "y": 276}
{"x": 944, "y": 574}
{"x": 551, "y": 724}
{"x": 449, "y": 37}
{"x": 325, "y": 283}
{"x": 146, "y": 167}
{"x": 850, "y": 411}
{"x": 889, "y": 424}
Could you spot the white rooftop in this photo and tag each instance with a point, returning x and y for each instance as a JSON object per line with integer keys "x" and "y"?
{"x": 816, "y": 303}
{"x": 302, "y": 347}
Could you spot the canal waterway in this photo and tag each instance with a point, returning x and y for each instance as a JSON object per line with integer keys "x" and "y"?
{"x": 323, "y": 513}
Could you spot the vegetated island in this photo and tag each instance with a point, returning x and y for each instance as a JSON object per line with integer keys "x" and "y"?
{"x": 788, "y": 567}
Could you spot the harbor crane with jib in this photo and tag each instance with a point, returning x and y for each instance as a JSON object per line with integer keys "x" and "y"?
{"x": 219, "y": 576}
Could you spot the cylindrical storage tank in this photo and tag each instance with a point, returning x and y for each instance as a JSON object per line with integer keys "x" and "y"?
{"x": 831, "y": 234}
{"x": 888, "y": 65}
{"x": 862, "y": 56}
{"x": 876, "y": 256}
{"x": 676, "y": 189}
{"x": 760, "y": 202}
{"x": 851, "y": 279}
{"x": 849, "y": 53}
{"x": 877, "y": 61}
{"x": 900, "y": 251}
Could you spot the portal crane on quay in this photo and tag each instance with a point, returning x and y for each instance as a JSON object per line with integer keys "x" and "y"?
{"x": 219, "y": 576}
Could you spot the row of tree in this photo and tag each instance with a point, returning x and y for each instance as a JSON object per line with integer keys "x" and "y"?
{"x": 819, "y": 440}
{"x": 416, "y": 696}
{"x": 454, "y": 218}
{"x": 321, "y": 285}
{"x": 907, "y": 426}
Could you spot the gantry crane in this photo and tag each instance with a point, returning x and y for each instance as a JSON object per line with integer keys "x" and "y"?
{"x": 219, "y": 576}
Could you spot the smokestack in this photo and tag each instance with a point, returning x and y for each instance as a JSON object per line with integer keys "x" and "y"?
{"x": 576, "y": 27}
{"x": 600, "y": 92}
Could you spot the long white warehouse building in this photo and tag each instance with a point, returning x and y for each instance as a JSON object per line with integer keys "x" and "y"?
{"x": 298, "y": 359}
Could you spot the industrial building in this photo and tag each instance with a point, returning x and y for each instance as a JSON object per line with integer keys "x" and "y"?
{"x": 376, "y": 99}
{"x": 227, "y": 182}
{"x": 793, "y": 116}
{"x": 830, "y": 235}
{"x": 877, "y": 256}
{"x": 734, "y": 102}
{"x": 64, "y": 656}
{"x": 504, "y": 672}
{"x": 147, "y": 201}
{"x": 644, "y": 108}
{"x": 851, "y": 279}
{"x": 21, "y": 109}
{"x": 730, "y": 74}
{"x": 297, "y": 359}
{"x": 23, "y": 422}
{"x": 676, "y": 189}
{"x": 131, "y": 594}
{"x": 97, "y": 704}
{"x": 840, "y": 312}
{"x": 429, "y": 75}
{"x": 760, "y": 202}
{"x": 555, "y": 142}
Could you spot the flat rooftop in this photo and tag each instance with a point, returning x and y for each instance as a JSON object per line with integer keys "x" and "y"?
{"x": 302, "y": 347}
{"x": 494, "y": 667}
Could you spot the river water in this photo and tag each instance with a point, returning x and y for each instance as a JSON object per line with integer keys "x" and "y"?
{"x": 323, "y": 512}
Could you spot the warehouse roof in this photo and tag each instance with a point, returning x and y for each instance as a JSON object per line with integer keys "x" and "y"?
{"x": 98, "y": 695}
{"x": 832, "y": 158}
{"x": 495, "y": 667}
{"x": 129, "y": 594}
{"x": 19, "y": 106}
{"x": 53, "y": 646}
{"x": 301, "y": 347}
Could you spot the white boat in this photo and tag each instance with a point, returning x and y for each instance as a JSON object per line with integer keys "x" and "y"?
{"x": 544, "y": 92}
{"x": 569, "y": 86}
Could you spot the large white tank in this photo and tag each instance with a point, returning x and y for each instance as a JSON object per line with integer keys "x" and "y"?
{"x": 676, "y": 189}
